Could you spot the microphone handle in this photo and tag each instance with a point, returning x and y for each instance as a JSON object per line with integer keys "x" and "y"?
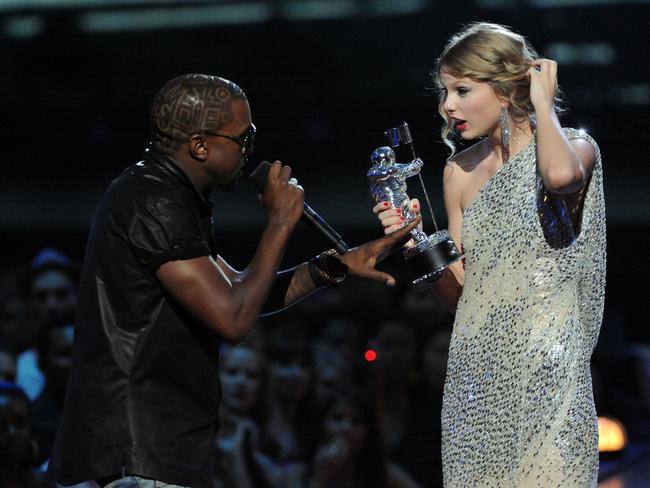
{"x": 313, "y": 220}
{"x": 309, "y": 216}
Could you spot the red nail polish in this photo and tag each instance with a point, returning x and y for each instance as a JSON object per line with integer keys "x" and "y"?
{"x": 402, "y": 218}
{"x": 386, "y": 204}
{"x": 415, "y": 205}
{"x": 398, "y": 210}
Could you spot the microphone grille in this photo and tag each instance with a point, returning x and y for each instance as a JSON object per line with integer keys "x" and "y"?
{"x": 260, "y": 174}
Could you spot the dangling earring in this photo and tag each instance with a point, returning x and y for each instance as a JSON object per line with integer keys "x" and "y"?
{"x": 505, "y": 134}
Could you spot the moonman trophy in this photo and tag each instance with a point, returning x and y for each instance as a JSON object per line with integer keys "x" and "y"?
{"x": 429, "y": 255}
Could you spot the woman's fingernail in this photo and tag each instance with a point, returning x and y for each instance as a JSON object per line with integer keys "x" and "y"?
{"x": 402, "y": 218}
{"x": 386, "y": 204}
{"x": 415, "y": 205}
{"x": 398, "y": 210}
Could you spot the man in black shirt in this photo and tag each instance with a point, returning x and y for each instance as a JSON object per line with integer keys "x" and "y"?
{"x": 155, "y": 298}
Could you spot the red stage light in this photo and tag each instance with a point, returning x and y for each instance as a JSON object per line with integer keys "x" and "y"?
{"x": 370, "y": 355}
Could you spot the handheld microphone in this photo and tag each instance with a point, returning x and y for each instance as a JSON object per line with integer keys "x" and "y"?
{"x": 260, "y": 174}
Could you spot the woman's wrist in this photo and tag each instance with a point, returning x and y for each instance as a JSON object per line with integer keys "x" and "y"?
{"x": 544, "y": 110}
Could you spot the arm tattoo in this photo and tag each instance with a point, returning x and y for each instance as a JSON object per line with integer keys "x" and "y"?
{"x": 301, "y": 285}
{"x": 289, "y": 287}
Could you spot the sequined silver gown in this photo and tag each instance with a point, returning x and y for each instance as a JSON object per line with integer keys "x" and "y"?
{"x": 518, "y": 408}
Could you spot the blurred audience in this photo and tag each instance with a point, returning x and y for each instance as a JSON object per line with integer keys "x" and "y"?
{"x": 341, "y": 337}
{"x": 289, "y": 432}
{"x": 7, "y": 363}
{"x": 36, "y": 334}
{"x": 336, "y": 352}
{"x": 434, "y": 360}
{"x": 17, "y": 447}
{"x": 16, "y": 330}
{"x": 421, "y": 310}
{"x": 407, "y": 414}
{"x": 329, "y": 374}
{"x": 50, "y": 288}
{"x": 301, "y": 406}
{"x": 349, "y": 452}
{"x": 244, "y": 382}
{"x": 55, "y": 361}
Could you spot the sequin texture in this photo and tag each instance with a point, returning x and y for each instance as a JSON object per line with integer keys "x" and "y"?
{"x": 518, "y": 407}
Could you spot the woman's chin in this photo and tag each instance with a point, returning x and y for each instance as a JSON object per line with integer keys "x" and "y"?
{"x": 471, "y": 135}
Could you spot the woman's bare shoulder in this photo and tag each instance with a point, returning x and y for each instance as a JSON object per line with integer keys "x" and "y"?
{"x": 468, "y": 159}
{"x": 462, "y": 164}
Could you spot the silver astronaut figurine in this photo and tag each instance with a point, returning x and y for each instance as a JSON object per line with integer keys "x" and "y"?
{"x": 429, "y": 255}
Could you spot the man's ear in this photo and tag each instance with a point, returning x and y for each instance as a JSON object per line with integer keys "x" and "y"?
{"x": 197, "y": 148}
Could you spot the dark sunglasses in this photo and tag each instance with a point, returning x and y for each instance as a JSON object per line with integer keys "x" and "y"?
{"x": 245, "y": 141}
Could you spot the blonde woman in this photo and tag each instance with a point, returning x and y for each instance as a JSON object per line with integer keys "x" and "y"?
{"x": 526, "y": 205}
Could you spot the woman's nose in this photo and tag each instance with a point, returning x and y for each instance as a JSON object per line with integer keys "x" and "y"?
{"x": 449, "y": 105}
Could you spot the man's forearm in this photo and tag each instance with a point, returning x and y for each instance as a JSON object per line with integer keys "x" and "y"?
{"x": 290, "y": 287}
{"x": 253, "y": 286}
{"x": 301, "y": 285}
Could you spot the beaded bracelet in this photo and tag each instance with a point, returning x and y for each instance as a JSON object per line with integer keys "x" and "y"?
{"x": 326, "y": 269}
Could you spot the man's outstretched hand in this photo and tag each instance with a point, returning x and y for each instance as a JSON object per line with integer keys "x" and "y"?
{"x": 362, "y": 259}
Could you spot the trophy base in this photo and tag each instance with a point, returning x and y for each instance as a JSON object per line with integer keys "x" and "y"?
{"x": 431, "y": 256}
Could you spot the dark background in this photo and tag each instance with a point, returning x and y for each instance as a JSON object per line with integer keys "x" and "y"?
{"x": 324, "y": 79}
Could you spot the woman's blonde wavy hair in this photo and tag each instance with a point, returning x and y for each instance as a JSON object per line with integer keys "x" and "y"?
{"x": 494, "y": 54}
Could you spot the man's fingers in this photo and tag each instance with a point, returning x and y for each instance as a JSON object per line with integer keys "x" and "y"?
{"x": 381, "y": 277}
{"x": 274, "y": 170}
{"x": 285, "y": 174}
{"x": 401, "y": 233}
{"x": 388, "y": 279}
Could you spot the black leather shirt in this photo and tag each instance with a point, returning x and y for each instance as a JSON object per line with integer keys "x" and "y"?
{"x": 144, "y": 390}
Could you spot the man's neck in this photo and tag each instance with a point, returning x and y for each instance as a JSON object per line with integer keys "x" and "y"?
{"x": 190, "y": 169}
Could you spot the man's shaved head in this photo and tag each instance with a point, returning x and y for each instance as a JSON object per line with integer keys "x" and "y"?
{"x": 188, "y": 104}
